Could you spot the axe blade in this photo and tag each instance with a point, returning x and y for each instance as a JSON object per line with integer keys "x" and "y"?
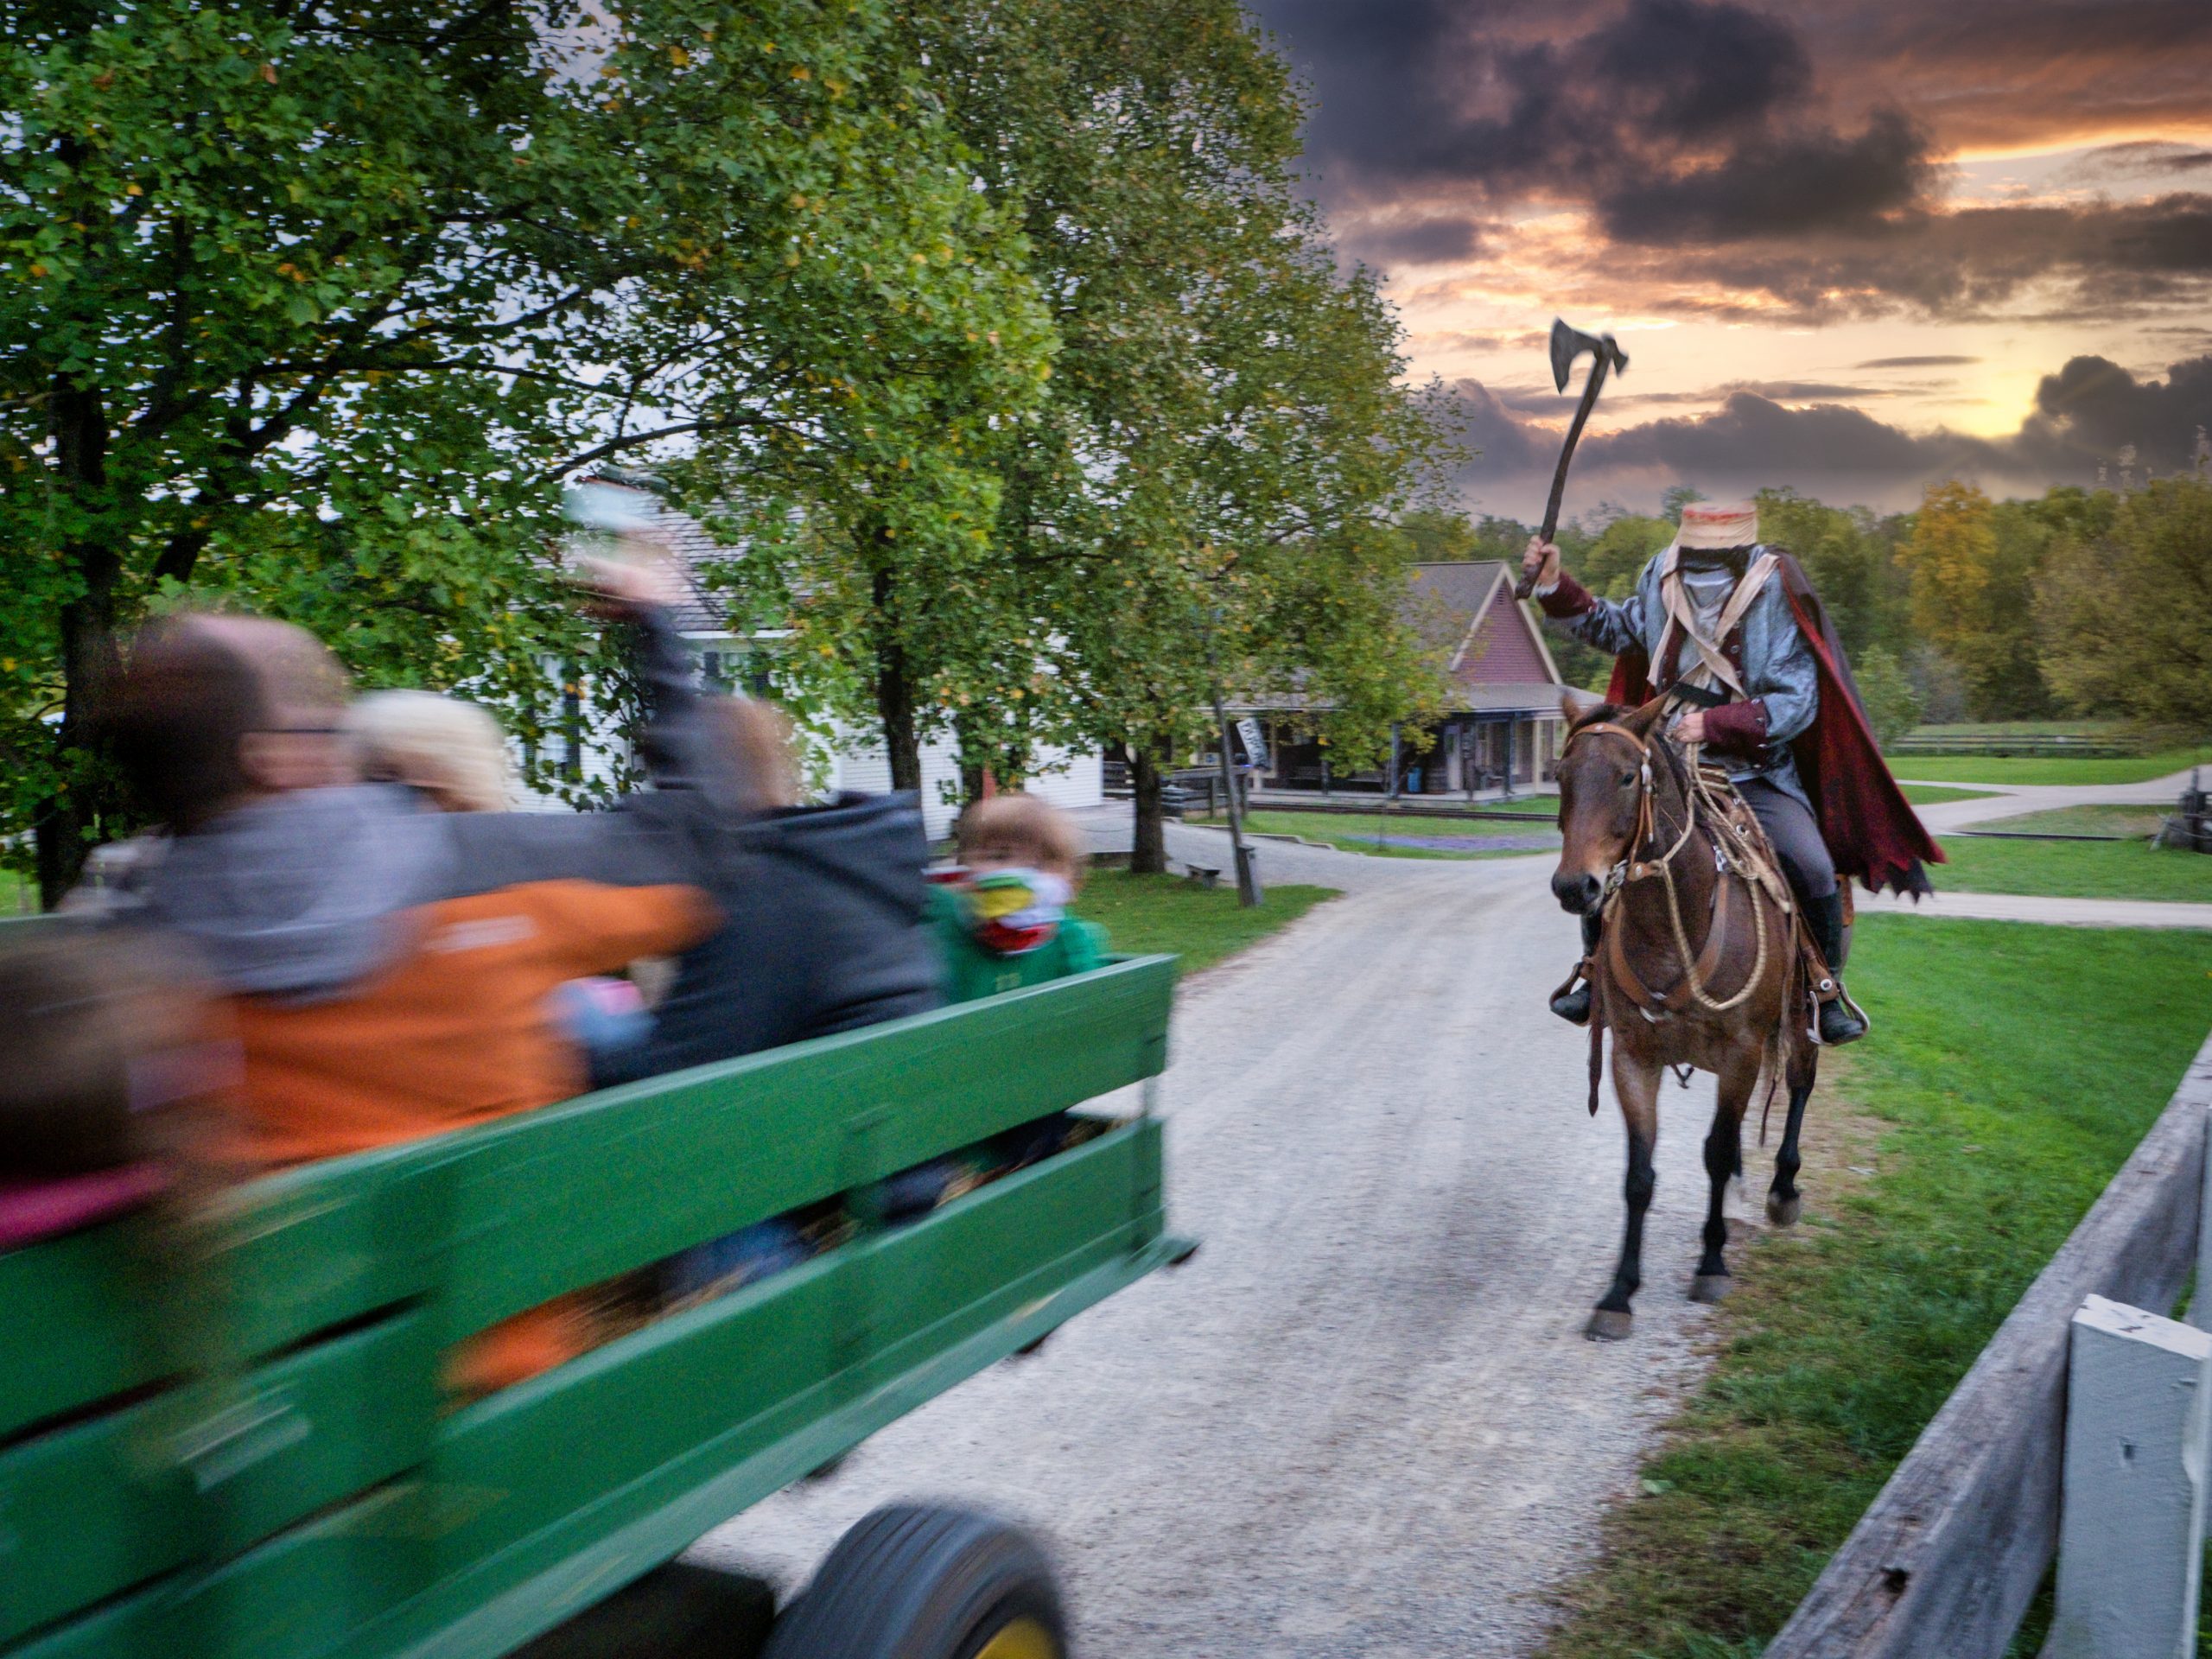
{"x": 1568, "y": 344}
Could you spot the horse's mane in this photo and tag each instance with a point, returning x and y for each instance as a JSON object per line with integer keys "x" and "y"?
{"x": 1592, "y": 716}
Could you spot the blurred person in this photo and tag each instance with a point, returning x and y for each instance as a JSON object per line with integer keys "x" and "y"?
{"x": 387, "y": 968}
{"x": 116, "y": 1069}
{"x": 450, "y": 751}
{"x": 452, "y": 755}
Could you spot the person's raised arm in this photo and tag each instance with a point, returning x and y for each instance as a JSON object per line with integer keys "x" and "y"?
{"x": 1611, "y": 625}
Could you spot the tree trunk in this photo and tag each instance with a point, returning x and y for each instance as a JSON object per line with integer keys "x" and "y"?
{"x": 68, "y": 821}
{"x": 894, "y": 690}
{"x": 1148, "y": 851}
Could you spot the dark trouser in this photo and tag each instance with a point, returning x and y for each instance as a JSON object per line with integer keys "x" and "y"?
{"x": 1796, "y": 839}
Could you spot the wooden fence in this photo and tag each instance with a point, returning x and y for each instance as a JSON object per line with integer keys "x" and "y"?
{"x": 1945, "y": 1562}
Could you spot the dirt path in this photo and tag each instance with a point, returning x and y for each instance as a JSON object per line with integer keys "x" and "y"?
{"x": 1364, "y": 1420}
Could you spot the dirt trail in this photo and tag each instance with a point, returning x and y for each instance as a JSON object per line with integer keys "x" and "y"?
{"x": 1364, "y": 1421}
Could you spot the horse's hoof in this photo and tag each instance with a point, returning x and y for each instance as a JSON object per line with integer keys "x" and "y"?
{"x": 1784, "y": 1213}
{"x": 1710, "y": 1287}
{"x": 1609, "y": 1325}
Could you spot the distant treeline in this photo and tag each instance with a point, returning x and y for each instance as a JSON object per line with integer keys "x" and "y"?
{"x": 2095, "y": 603}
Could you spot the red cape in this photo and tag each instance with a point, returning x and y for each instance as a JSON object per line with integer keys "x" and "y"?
{"x": 1870, "y": 828}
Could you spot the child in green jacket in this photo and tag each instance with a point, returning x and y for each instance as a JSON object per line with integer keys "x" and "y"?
{"x": 1003, "y": 923}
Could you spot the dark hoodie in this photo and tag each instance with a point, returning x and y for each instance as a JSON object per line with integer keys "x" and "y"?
{"x": 823, "y": 933}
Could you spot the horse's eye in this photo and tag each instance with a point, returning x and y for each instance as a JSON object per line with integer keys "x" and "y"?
{"x": 1627, "y": 778}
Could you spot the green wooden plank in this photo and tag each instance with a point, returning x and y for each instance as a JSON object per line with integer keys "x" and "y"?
{"x": 97, "y": 1507}
{"x": 725, "y": 1146}
{"x": 70, "y": 1323}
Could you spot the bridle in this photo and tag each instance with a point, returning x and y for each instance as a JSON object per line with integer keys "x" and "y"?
{"x": 1634, "y": 865}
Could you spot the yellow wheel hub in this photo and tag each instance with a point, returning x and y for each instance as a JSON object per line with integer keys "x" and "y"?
{"x": 1023, "y": 1639}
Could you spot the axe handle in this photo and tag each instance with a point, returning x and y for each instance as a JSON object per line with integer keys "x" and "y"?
{"x": 1527, "y": 585}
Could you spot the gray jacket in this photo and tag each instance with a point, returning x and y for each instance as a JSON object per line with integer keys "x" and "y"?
{"x": 1768, "y": 649}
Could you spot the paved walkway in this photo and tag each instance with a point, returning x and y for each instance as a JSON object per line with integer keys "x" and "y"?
{"x": 1364, "y": 1421}
{"x": 2011, "y": 800}
{"x": 2034, "y": 907}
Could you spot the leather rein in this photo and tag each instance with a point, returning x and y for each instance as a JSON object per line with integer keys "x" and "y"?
{"x": 1638, "y": 864}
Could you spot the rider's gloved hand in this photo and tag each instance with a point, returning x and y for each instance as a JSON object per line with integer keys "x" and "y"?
{"x": 1541, "y": 564}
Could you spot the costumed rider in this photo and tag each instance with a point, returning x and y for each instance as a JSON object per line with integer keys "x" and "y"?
{"x": 1732, "y": 630}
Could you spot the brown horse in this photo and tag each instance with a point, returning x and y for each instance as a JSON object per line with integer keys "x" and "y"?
{"x": 1697, "y": 964}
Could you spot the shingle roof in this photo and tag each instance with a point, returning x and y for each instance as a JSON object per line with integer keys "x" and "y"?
{"x": 706, "y": 610}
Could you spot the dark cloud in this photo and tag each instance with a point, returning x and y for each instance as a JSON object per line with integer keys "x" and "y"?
{"x": 1419, "y": 241}
{"x": 1942, "y": 360}
{"x": 2145, "y": 158}
{"x": 2085, "y": 414}
{"x": 1792, "y": 151}
{"x": 2094, "y": 407}
{"x": 1670, "y": 117}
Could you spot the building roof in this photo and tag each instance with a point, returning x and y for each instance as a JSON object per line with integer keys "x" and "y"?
{"x": 705, "y": 611}
{"x": 1466, "y": 607}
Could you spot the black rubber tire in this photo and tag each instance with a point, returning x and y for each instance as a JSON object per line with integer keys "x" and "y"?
{"x": 914, "y": 1582}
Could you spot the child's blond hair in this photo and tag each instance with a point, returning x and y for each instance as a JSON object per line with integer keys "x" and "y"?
{"x": 451, "y": 751}
{"x": 1036, "y": 826}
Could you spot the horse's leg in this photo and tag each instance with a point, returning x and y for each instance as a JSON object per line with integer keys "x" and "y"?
{"x": 1781, "y": 1200}
{"x": 1724, "y": 1156}
{"x": 1636, "y": 1082}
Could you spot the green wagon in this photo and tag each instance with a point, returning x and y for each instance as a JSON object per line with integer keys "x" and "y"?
{"x": 312, "y": 1495}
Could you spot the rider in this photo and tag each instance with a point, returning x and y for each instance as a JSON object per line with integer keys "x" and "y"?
{"x": 1733, "y": 631}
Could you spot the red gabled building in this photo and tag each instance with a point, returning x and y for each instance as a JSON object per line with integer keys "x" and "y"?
{"x": 1504, "y": 727}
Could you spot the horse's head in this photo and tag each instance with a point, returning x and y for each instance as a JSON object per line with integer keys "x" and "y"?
{"x": 1601, "y": 781}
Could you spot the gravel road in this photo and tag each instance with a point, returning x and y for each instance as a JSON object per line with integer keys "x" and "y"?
{"x": 1364, "y": 1420}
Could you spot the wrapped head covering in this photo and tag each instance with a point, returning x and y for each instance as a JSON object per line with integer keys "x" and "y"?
{"x": 1719, "y": 525}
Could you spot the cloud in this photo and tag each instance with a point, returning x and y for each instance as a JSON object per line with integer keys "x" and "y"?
{"x": 1669, "y": 116}
{"x": 2139, "y": 159}
{"x": 1440, "y": 240}
{"x": 2092, "y": 406}
{"x": 1727, "y": 156}
{"x": 2084, "y": 414}
{"x": 1938, "y": 360}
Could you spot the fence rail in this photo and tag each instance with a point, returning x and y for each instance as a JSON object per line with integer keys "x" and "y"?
{"x": 2037, "y": 743}
{"x": 1947, "y": 1559}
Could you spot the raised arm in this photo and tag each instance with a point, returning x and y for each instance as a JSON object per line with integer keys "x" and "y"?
{"x": 1611, "y": 625}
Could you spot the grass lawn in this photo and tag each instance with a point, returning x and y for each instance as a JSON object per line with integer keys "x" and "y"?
{"x": 2012, "y": 1070}
{"x": 2041, "y": 769}
{"x": 1146, "y": 914}
{"x": 1935, "y": 794}
{"x": 2022, "y": 728}
{"x": 1356, "y": 832}
{"x": 2102, "y": 819}
{"x": 2072, "y": 869}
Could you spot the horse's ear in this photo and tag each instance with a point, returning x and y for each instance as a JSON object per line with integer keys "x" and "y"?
{"x": 1640, "y": 721}
{"x": 1579, "y": 705}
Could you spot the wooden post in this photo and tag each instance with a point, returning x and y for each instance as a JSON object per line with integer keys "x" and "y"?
{"x": 2131, "y": 1540}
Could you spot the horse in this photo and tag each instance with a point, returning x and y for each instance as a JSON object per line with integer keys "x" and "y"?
{"x": 1698, "y": 965}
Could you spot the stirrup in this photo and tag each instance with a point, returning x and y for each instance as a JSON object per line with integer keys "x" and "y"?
{"x": 1571, "y": 1001}
{"x": 1836, "y": 1019}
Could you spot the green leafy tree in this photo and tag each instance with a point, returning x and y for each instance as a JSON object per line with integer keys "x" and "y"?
{"x": 313, "y": 309}
{"x": 1892, "y": 706}
{"x": 1851, "y": 563}
{"x": 1973, "y": 565}
{"x": 2126, "y": 607}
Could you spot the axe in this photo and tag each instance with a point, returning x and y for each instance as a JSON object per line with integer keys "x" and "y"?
{"x": 1568, "y": 344}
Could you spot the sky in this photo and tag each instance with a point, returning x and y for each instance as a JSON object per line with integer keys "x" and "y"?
{"x": 1850, "y": 246}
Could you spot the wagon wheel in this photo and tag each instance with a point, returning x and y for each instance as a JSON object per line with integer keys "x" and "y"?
{"x": 914, "y": 1582}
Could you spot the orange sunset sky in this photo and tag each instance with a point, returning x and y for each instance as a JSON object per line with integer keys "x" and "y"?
{"x": 1849, "y": 247}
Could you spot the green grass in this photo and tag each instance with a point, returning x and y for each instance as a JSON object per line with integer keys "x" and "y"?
{"x": 1356, "y": 832}
{"x": 1146, "y": 914}
{"x": 2072, "y": 869}
{"x": 2012, "y": 1070}
{"x": 17, "y": 897}
{"x": 2022, "y": 728}
{"x": 1935, "y": 794}
{"x": 2100, "y": 819}
{"x": 2040, "y": 769}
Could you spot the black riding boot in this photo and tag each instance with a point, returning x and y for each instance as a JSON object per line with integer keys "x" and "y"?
{"x": 1573, "y": 1005}
{"x": 1838, "y": 1023}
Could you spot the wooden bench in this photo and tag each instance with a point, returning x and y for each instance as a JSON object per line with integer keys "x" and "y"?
{"x": 310, "y": 1492}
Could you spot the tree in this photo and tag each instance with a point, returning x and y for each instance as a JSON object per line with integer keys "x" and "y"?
{"x": 2126, "y": 607}
{"x": 1892, "y": 706}
{"x": 1852, "y": 564}
{"x": 312, "y": 310}
{"x": 1973, "y": 565}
